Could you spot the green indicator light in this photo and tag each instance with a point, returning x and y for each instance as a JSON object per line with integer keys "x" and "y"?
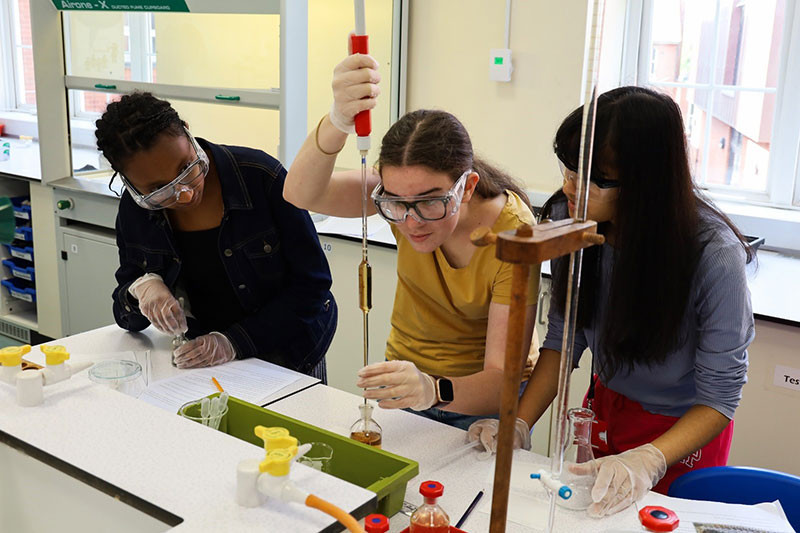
{"x": 498, "y": 60}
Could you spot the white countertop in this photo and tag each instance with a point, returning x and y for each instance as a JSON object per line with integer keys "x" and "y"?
{"x": 112, "y": 339}
{"x": 25, "y": 163}
{"x": 173, "y": 463}
{"x": 424, "y": 441}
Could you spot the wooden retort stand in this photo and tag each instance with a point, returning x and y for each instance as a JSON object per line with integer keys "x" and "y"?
{"x": 527, "y": 246}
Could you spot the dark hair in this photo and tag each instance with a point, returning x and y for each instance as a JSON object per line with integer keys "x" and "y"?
{"x": 439, "y": 141}
{"x": 133, "y": 124}
{"x": 659, "y": 226}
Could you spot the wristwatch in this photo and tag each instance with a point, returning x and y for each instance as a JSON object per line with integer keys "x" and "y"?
{"x": 444, "y": 391}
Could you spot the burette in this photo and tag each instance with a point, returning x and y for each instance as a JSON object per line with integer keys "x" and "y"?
{"x": 594, "y": 21}
{"x": 363, "y": 125}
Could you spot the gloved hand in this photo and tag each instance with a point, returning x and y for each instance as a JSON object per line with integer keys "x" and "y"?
{"x": 622, "y": 479}
{"x": 206, "y": 350}
{"x": 158, "y": 305}
{"x": 355, "y": 89}
{"x": 403, "y": 385}
{"x": 486, "y": 430}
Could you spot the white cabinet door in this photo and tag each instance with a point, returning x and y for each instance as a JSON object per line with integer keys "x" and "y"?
{"x": 346, "y": 354}
{"x": 89, "y": 265}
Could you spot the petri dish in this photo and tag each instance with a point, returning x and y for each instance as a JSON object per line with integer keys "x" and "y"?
{"x": 122, "y": 375}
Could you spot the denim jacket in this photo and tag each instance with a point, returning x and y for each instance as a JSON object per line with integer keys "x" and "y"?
{"x": 269, "y": 249}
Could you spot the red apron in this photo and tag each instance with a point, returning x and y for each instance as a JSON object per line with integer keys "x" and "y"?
{"x": 628, "y": 425}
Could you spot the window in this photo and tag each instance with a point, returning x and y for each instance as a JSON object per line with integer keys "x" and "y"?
{"x": 138, "y": 41}
{"x": 731, "y": 66}
{"x": 16, "y": 56}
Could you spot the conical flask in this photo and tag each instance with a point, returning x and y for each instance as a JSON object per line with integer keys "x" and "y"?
{"x": 365, "y": 429}
{"x": 578, "y": 452}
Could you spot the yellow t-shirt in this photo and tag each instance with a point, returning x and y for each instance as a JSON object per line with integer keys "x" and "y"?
{"x": 440, "y": 313}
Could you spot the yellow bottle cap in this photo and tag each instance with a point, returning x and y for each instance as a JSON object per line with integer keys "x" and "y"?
{"x": 280, "y": 447}
{"x": 54, "y": 355}
{"x": 276, "y": 438}
{"x": 277, "y": 462}
{"x": 12, "y": 355}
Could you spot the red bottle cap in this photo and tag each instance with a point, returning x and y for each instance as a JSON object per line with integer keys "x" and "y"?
{"x": 655, "y": 518}
{"x": 376, "y": 523}
{"x": 431, "y": 489}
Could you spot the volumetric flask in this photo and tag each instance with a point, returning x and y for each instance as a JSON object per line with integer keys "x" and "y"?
{"x": 578, "y": 476}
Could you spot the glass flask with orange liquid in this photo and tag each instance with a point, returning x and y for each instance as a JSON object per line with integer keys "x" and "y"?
{"x": 365, "y": 429}
{"x": 429, "y": 517}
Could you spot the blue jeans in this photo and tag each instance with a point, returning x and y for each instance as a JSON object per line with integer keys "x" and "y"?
{"x": 457, "y": 419}
{"x": 451, "y": 419}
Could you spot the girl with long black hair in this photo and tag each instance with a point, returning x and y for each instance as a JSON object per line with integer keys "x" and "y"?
{"x": 664, "y": 305}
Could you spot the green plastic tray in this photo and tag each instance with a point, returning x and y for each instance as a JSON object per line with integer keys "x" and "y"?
{"x": 384, "y": 473}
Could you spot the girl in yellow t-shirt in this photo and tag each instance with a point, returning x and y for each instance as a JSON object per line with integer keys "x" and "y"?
{"x": 446, "y": 346}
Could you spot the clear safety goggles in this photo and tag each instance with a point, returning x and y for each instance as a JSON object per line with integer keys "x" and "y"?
{"x": 396, "y": 209}
{"x": 168, "y": 195}
{"x": 594, "y": 179}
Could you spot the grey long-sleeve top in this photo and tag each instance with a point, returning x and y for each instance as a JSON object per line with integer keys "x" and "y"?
{"x": 710, "y": 368}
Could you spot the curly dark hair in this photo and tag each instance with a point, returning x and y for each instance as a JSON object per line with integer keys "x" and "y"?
{"x": 133, "y": 124}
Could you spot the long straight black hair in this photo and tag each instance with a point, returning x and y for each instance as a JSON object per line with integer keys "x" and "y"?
{"x": 659, "y": 226}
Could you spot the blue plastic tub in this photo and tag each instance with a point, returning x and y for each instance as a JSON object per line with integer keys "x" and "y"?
{"x": 20, "y": 252}
{"x": 23, "y": 233}
{"x": 20, "y": 270}
{"x": 27, "y": 294}
{"x": 20, "y": 210}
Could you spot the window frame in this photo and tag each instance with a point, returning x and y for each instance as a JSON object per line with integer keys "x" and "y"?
{"x": 10, "y": 97}
{"x": 783, "y": 177}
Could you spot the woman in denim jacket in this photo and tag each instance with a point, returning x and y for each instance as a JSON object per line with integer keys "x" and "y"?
{"x": 208, "y": 223}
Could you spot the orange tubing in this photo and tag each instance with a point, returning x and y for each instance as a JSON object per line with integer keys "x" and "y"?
{"x": 346, "y": 519}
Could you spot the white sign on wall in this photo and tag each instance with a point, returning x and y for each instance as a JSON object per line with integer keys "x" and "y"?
{"x": 787, "y": 377}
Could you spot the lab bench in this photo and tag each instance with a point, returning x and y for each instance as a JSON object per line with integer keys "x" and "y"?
{"x": 179, "y": 469}
{"x": 774, "y": 282}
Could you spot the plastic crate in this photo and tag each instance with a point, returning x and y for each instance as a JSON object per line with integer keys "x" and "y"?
{"x": 20, "y": 210}
{"x": 384, "y": 473}
{"x": 23, "y": 233}
{"x": 20, "y": 252}
{"x": 21, "y": 292}
{"x": 20, "y": 270}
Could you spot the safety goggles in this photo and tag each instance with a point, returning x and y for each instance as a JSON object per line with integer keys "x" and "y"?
{"x": 168, "y": 195}
{"x": 396, "y": 209}
{"x": 596, "y": 178}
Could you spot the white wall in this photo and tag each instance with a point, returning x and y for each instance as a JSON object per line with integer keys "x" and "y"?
{"x": 511, "y": 124}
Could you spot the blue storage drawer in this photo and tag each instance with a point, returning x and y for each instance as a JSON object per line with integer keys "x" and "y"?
{"x": 20, "y": 252}
{"x": 23, "y": 233}
{"x": 20, "y": 270}
{"x": 24, "y": 293}
{"x": 22, "y": 207}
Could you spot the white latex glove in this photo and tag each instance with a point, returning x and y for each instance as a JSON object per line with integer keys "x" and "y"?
{"x": 486, "y": 430}
{"x": 158, "y": 305}
{"x": 206, "y": 350}
{"x": 622, "y": 479}
{"x": 402, "y": 385}
{"x": 355, "y": 89}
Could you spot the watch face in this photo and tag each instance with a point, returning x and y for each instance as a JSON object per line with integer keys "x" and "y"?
{"x": 445, "y": 390}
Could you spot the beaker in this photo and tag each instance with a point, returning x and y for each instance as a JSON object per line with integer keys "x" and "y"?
{"x": 122, "y": 375}
{"x": 319, "y": 457}
{"x": 365, "y": 429}
{"x": 578, "y": 452}
{"x": 212, "y": 415}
